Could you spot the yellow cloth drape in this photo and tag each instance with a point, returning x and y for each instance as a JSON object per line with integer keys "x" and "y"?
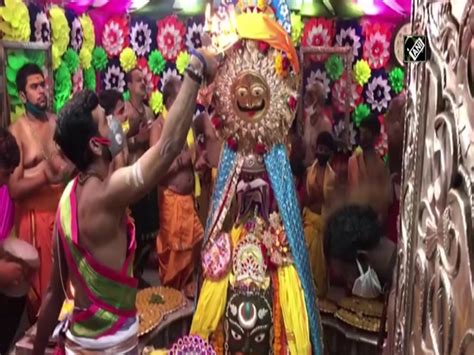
{"x": 190, "y": 142}
{"x": 313, "y": 234}
{"x": 258, "y": 26}
{"x": 293, "y": 309}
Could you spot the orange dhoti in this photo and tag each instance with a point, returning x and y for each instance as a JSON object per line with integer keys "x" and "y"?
{"x": 35, "y": 218}
{"x": 179, "y": 241}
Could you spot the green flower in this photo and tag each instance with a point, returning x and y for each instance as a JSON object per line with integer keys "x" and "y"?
{"x": 360, "y": 113}
{"x": 90, "y": 79}
{"x": 126, "y": 96}
{"x": 182, "y": 62}
{"x": 334, "y": 67}
{"x": 156, "y": 62}
{"x": 297, "y": 26}
{"x": 99, "y": 58}
{"x": 72, "y": 61}
{"x": 396, "y": 79}
{"x": 62, "y": 87}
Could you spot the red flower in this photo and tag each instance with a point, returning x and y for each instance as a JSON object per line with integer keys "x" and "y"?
{"x": 238, "y": 45}
{"x": 170, "y": 37}
{"x": 216, "y": 122}
{"x": 232, "y": 143}
{"x": 292, "y": 102}
{"x": 285, "y": 63}
{"x": 260, "y": 148}
{"x": 263, "y": 47}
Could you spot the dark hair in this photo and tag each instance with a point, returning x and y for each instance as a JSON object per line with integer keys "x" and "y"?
{"x": 326, "y": 139}
{"x": 170, "y": 90}
{"x": 9, "y": 150}
{"x": 23, "y": 74}
{"x": 129, "y": 75}
{"x": 350, "y": 229}
{"x": 76, "y": 126}
{"x": 372, "y": 124}
{"x": 108, "y": 99}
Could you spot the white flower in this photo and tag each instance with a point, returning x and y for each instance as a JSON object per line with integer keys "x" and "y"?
{"x": 339, "y": 95}
{"x": 348, "y": 36}
{"x": 322, "y": 77}
{"x": 284, "y": 10}
{"x": 167, "y": 75}
{"x": 113, "y": 38}
{"x": 377, "y": 50}
{"x": 114, "y": 78}
{"x": 76, "y": 34}
{"x": 319, "y": 36}
{"x": 42, "y": 28}
{"x": 193, "y": 36}
{"x": 140, "y": 38}
{"x": 378, "y": 93}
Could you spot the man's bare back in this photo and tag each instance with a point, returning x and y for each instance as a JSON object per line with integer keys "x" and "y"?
{"x": 180, "y": 177}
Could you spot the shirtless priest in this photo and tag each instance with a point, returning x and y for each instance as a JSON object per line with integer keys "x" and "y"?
{"x": 94, "y": 239}
{"x": 38, "y": 182}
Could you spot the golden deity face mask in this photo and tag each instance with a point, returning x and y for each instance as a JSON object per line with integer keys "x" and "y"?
{"x": 251, "y": 96}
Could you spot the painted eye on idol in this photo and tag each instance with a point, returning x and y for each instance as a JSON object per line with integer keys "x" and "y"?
{"x": 235, "y": 335}
{"x": 259, "y": 338}
{"x": 251, "y": 96}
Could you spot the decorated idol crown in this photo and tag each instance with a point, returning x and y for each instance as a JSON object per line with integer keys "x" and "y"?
{"x": 257, "y": 84}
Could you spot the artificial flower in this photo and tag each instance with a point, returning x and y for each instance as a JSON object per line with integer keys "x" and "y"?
{"x": 360, "y": 113}
{"x": 296, "y": 28}
{"x": 362, "y": 72}
{"x": 182, "y": 62}
{"x": 128, "y": 59}
{"x": 42, "y": 28}
{"x": 262, "y": 4}
{"x": 339, "y": 94}
{"x": 71, "y": 59}
{"x": 283, "y": 15}
{"x": 263, "y": 47}
{"x": 115, "y": 36}
{"x": 60, "y": 34}
{"x": 77, "y": 82}
{"x": 396, "y": 79}
{"x": 114, "y": 78}
{"x": 194, "y": 35}
{"x": 86, "y": 58}
{"x": 156, "y": 62}
{"x": 377, "y": 45}
{"x": 317, "y": 33}
{"x": 381, "y": 145}
{"x": 334, "y": 67}
{"x": 99, "y": 58}
{"x": 156, "y": 102}
{"x": 87, "y": 32}
{"x": 151, "y": 81}
{"x": 90, "y": 79}
{"x": 322, "y": 77}
{"x": 15, "y": 61}
{"x": 62, "y": 86}
{"x": 77, "y": 37}
{"x": 339, "y": 131}
{"x": 170, "y": 37}
{"x": 15, "y": 21}
{"x": 126, "y": 96}
{"x": 140, "y": 38}
{"x": 350, "y": 36}
{"x": 167, "y": 75}
{"x": 378, "y": 93}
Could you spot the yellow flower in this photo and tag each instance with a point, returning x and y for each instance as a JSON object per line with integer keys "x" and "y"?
{"x": 15, "y": 21}
{"x": 280, "y": 70}
{"x": 86, "y": 58}
{"x": 156, "y": 102}
{"x": 128, "y": 59}
{"x": 60, "y": 34}
{"x": 56, "y": 57}
{"x": 262, "y": 4}
{"x": 361, "y": 72}
{"x": 182, "y": 62}
{"x": 296, "y": 28}
{"x": 88, "y": 33}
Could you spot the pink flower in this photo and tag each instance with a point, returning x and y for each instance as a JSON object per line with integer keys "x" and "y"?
{"x": 171, "y": 33}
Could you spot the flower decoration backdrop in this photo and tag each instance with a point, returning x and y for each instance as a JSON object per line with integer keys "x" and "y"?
{"x": 87, "y": 52}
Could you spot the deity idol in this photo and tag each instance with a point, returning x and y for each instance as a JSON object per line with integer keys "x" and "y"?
{"x": 257, "y": 296}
